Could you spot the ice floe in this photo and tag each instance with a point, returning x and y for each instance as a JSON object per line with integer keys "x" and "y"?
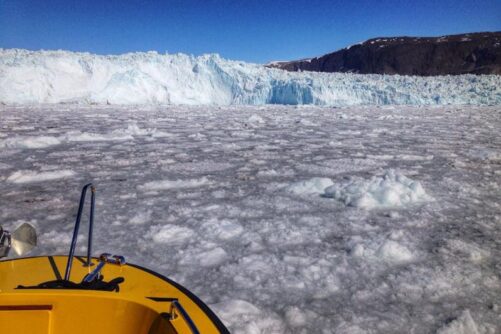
{"x": 29, "y": 142}
{"x": 29, "y": 176}
{"x": 238, "y": 214}
{"x": 173, "y": 184}
{"x": 316, "y": 185}
{"x": 393, "y": 189}
{"x": 170, "y": 234}
{"x": 464, "y": 324}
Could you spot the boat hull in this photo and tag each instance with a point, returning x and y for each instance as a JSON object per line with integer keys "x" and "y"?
{"x": 145, "y": 303}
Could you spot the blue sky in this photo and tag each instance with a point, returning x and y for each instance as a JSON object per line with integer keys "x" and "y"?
{"x": 252, "y": 30}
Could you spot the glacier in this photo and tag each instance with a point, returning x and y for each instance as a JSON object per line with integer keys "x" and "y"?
{"x": 150, "y": 78}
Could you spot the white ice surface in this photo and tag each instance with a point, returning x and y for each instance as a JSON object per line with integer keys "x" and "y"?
{"x": 173, "y": 184}
{"x": 29, "y": 142}
{"x": 393, "y": 189}
{"x": 316, "y": 185}
{"x": 230, "y": 202}
{"x": 29, "y": 176}
{"x": 464, "y": 324}
{"x": 152, "y": 78}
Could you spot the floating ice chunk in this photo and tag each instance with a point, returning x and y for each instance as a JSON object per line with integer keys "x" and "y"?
{"x": 306, "y": 122}
{"x": 169, "y": 234}
{"x": 391, "y": 190}
{"x": 141, "y": 218}
{"x": 358, "y": 250}
{"x": 55, "y": 240}
{"x": 394, "y": 252}
{"x": 267, "y": 173}
{"x": 485, "y": 154}
{"x": 295, "y": 317}
{"x": 210, "y": 258}
{"x": 245, "y": 318}
{"x": 474, "y": 253}
{"x": 464, "y": 324}
{"x": 4, "y": 166}
{"x": 222, "y": 229}
{"x": 255, "y": 119}
{"x": 78, "y": 136}
{"x": 29, "y": 142}
{"x": 349, "y": 328}
{"x": 316, "y": 185}
{"x": 414, "y": 157}
{"x": 132, "y": 130}
{"x": 173, "y": 184}
{"x": 29, "y": 176}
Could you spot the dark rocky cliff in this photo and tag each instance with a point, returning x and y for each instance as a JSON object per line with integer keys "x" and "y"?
{"x": 476, "y": 53}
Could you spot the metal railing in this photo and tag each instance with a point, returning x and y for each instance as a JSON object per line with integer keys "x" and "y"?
{"x": 176, "y": 306}
{"x": 77, "y": 227}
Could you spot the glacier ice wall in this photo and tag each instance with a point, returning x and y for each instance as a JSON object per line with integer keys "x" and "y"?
{"x": 33, "y": 77}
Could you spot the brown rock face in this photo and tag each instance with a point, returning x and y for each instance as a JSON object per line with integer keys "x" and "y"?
{"x": 475, "y": 53}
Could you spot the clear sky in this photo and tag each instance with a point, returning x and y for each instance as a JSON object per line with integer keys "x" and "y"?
{"x": 251, "y": 30}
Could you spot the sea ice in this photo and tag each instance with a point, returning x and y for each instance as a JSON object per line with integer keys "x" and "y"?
{"x": 245, "y": 318}
{"x": 28, "y": 176}
{"x": 173, "y": 184}
{"x": 141, "y": 218}
{"x": 29, "y": 142}
{"x": 464, "y": 324}
{"x": 394, "y": 252}
{"x": 393, "y": 189}
{"x": 169, "y": 234}
{"x": 237, "y": 214}
{"x": 316, "y": 185}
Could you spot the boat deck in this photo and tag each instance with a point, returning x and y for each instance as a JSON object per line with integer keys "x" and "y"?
{"x": 145, "y": 303}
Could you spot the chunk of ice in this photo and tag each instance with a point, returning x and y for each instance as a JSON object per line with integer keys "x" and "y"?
{"x": 29, "y": 176}
{"x": 391, "y": 190}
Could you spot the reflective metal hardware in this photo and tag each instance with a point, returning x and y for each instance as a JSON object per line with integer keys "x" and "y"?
{"x": 5, "y": 242}
{"x": 22, "y": 240}
{"x": 94, "y": 274}
{"x": 176, "y": 307}
{"x": 104, "y": 259}
{"x": 115, "y": 259}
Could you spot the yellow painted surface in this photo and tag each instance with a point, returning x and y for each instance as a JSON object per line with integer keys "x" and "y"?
{"x": 32, "y": 322}
{"x": 84, "y": 311}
